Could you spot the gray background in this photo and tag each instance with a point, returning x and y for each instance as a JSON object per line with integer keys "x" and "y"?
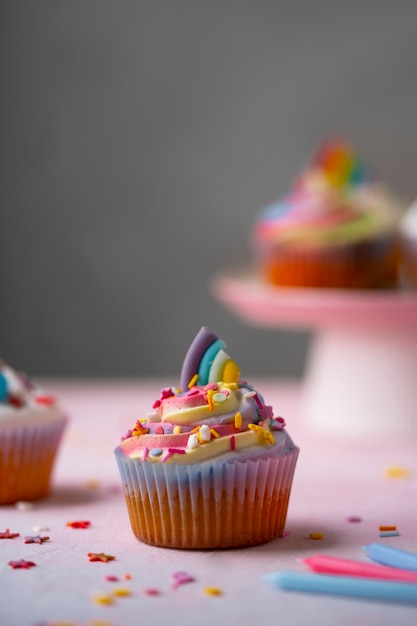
{"x": 140, "y": 139}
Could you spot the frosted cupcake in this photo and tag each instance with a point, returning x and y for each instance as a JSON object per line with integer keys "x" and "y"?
{"x": 336, "y": 228}
{"x": 408, "y": 236}
{"x": 31, "y": 427}
{"x": 210, "y": 466}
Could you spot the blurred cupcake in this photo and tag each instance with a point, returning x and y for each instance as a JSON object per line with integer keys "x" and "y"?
{"x": 210, "y": 466}
{"x": 31, "y": 427}
{"x": 336, "y": 228}
{"x": 408, "y": 236}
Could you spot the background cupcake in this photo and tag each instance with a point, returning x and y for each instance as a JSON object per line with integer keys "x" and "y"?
{"x": 336, "y": 228}
{"x": 209, "y": 467}
{"x": 31, "y": 427}
{"x": 408, "y": 238}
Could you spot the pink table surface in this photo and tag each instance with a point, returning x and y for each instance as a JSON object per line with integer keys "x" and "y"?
{"x": 334, "y": 479}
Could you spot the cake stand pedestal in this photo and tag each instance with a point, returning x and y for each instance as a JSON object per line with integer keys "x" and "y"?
{"x": 361, "y": 371}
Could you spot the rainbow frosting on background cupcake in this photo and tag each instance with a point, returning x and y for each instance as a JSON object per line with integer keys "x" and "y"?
{"x": 31, "y": 427}
{"x": 210, "y": 466}
{"x": 335, "y": 228}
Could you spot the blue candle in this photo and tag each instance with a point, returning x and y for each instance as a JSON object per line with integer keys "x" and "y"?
{"x": 344, "y": 586}
{"x": 394, "y": 557}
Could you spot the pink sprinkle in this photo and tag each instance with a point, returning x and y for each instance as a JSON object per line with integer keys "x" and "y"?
{"x": 354, "y": 518}
{"x": 112, "y": 579}
{"x": 232, "y": 443}
{"x": 211, "y": 386}
{"x": 286, "y": 533}
{"x": 158, "y": 430}
{"x": 145, "y": 453}
{"x": 180, "y": 578}
{"x": 176, "y": 450}
{"x": 156, "y": 404}
{"x": 151, "y": 592}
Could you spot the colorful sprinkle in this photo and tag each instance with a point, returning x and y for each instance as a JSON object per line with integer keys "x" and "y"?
{"x": 139, "y": 430}
{"x": 22, "y": 564}
{"x": 204, "y": 434}
{"x": 387, "y": 528}
{"x": 192, "y": 442}
{"x": 155, "y": 452}
{"x": 122, "y": 592}
{"x": 397, "y": 472}
{"x": 193, "y": 381}
{"x": 354, "y": 519}
{"x": 111, "y": 579}
{"x": 79, "y": 524}
{"x": 40, "y": 529}
{"x": 145, "y": 453}
{"x": 181, "y": 578}
{"x": 232, "y": 443}
{"x": 238, "y": 420}
{"x": 8, "y": 535}
{"x": 159, "y": 430}
{"x": 214, "y": 433}
{"x": 100, "y": 556}
{"x": 36, "y": 539}
{"x": 389, "y": 533}
{"x": 219, "y": 397}
{"x": 177, "y": 430}
{"x": 152, "y": 592}
{"x": 317, "y": 536}
{"x": 103, "y": 598}
{"x": 212, "y": 591}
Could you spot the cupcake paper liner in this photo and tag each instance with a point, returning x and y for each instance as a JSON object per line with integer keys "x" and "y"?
{"x": 212, "y": 505}
{"x": 27, "y": 455}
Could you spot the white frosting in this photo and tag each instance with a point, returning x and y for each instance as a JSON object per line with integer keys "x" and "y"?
{"x": 31, "y": 412}
{"x": 408, "y": 224}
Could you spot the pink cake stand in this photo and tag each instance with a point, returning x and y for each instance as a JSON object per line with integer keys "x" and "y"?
{"x": 361, "y": 373}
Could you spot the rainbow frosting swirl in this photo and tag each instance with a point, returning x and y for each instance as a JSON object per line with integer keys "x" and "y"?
{"x": 333, "y": 202}
{"x": 213, "y": 414}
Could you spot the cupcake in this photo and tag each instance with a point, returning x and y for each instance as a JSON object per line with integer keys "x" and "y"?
{"x": 408, "y": 238}
{"x": 210, "y": 466}
{"x": 335, "y": 228}
{"x": 31, "y": 427}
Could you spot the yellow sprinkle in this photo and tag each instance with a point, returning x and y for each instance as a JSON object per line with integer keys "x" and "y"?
{"x": 397, "y": 472}
{"x": 255, "y": 427}
{"x": 212, "y": 591}
{"x": 230, "y": 385}
{"x": 210, "y": 399}
{"x": 92, "y": 483}
{"x": 103, "y": 599}
{"x": 238, "y": 420}
{"x": 177, "y": 430}
{"x": 195, "y": 430}
{"x": 121, "y": 591}
{"x": 269, "y": 436}
{"x": 214, "y": 433}
{"x": 193, "y": 381}
{"x": 317, "y": 536}
{"x": 98, "y": 622}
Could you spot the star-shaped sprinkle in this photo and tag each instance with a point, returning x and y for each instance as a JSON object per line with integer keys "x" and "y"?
{"x": 22, "y": 564}
{"x": 36, "y": 539}
{"x": 180, "y": 578}
{"x": 100, "y": 556}
{"x": 79, "y": 524}
{"x": 8, "y": 535}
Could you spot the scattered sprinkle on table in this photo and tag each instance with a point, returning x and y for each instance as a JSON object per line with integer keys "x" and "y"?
{"x": 122, "y": 592}
{"x": 36, "y": 539}
{"x": 22, "y": 564}
{"x": 354, "y": 519}
{"x": 152, "y": 592}
{"x": 79, "y": 524}
{"x": 397, "y": 472}
{"x": 387, "y": 528}
{"x": 40, "y": 529}
{"x": 100, "y": 556}
{"x": 180, "y": 578}
{"x": 212, "y": 591}
{"x": 103, "y": 598}
{"x": 317, "y": 536}
{"x": 111, "y": 579}
{"x": 8, "y": 535}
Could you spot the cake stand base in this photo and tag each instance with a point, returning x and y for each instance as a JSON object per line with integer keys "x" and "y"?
{"x": 362, "y": 383}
